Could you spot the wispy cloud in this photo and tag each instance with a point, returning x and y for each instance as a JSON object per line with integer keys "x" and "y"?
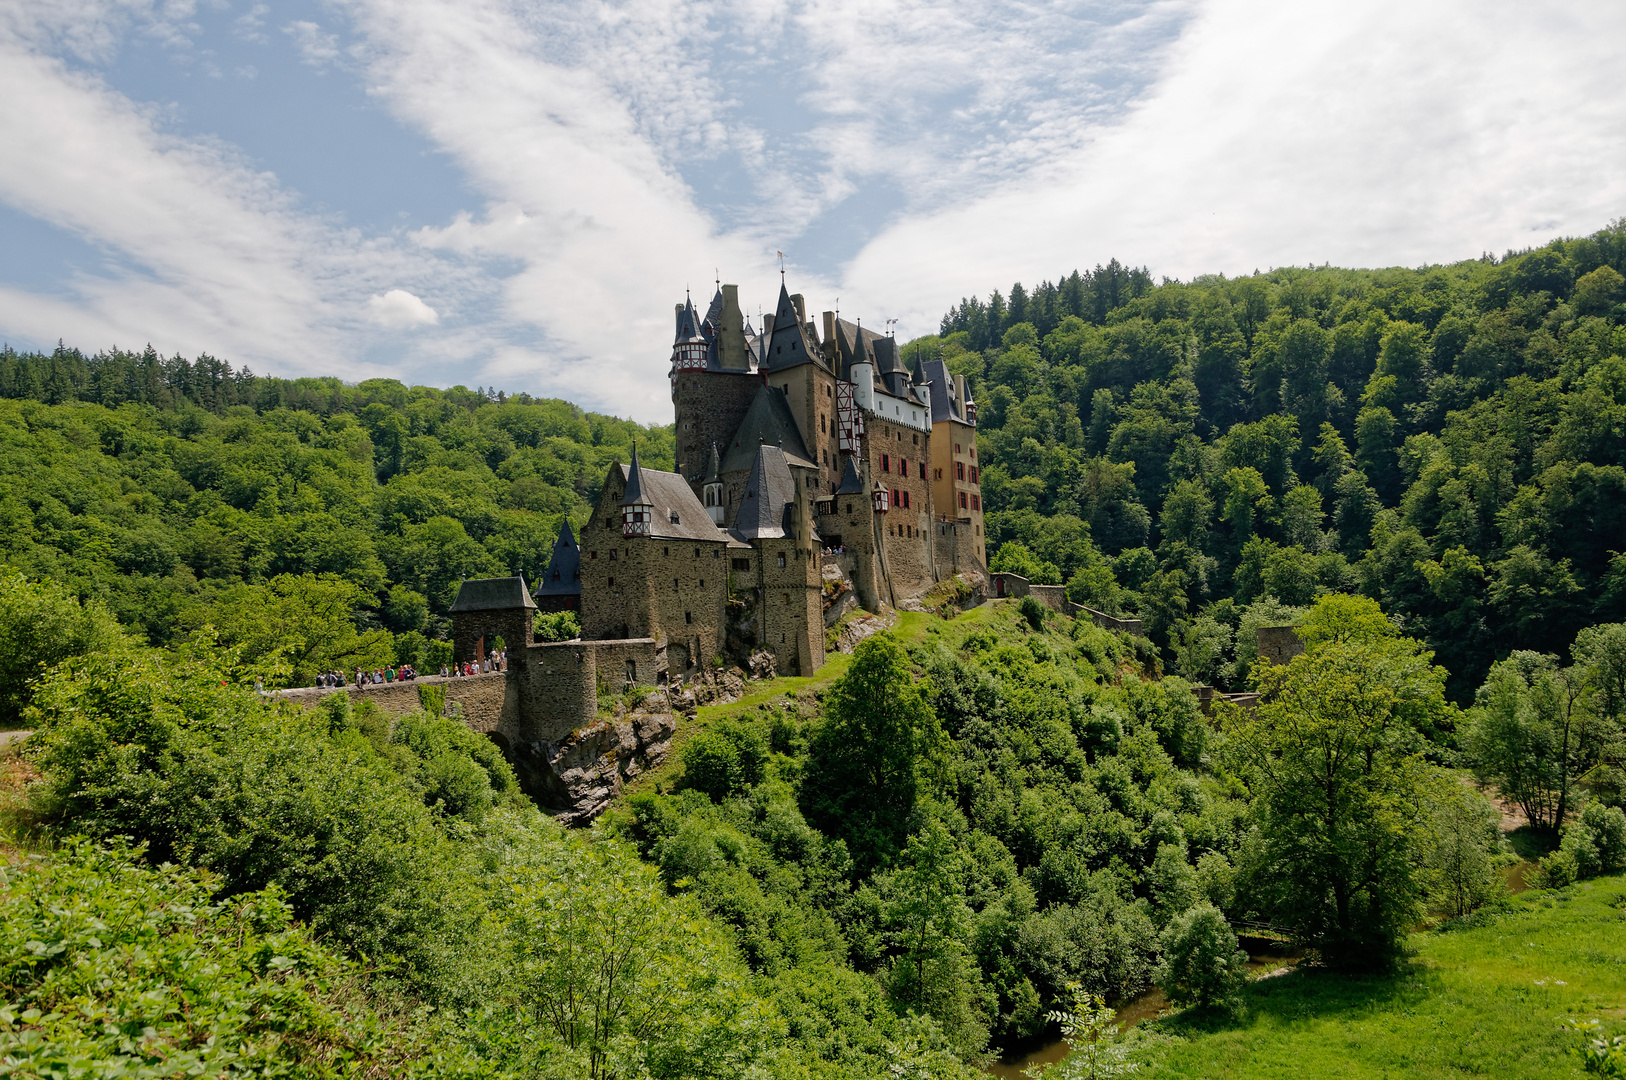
{"x": 904, "y": 152}
{"x": 1392, "y": 133}
{"x": 203, "y": 252}
{"x": 316, "y": 46}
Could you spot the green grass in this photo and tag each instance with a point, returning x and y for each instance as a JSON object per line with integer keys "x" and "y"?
{"x": 1485, "y": 1001}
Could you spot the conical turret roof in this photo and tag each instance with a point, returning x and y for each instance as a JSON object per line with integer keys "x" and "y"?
{"x": 634, "y": 495}
{"x": 688, "y": 324}
{"x": 851, "y": 484}
{"x": 563, "y": 577}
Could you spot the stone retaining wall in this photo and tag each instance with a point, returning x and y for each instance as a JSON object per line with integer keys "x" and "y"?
{"x": 486, "y": 702}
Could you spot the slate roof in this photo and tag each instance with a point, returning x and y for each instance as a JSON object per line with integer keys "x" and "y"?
{"x": 940, "y": 389}
{"x": 634, "y": 493}
{"x": 564, "y": 568}
{"x": 688, "y": 324}
{"x": 788, "y": 345}
{"x": 851, "y": 483}
{"x": 670, "y": 494}
{"x": 770, "y": 492}
{"x": 768, "y": 422}
{"x": 856, "y": 345}
{"x": 493, "y": 594}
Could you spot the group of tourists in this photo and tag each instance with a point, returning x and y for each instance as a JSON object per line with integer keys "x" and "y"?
{"x": 376, "y": 677}
{"x": 839, "y": 549}
{"x": 497, "y": 661}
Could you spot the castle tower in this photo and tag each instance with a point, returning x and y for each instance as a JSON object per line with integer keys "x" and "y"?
{"x": 637, "y": 512}
{"x": 711, "y": 493}
{"x": 714, "y": 380}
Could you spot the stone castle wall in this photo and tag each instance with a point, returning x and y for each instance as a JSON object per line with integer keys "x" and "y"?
{"x": 1278, "y": 644}
{"x": 472, "y": 629}
{"x": 810, "y": 391}
{"x": 558, "y": 682}
{"x": 689, "y": 581}
{"x": 488, "y": 703}
{"x": 791, "y": 607}
{"x": 955, "y": 547}
{"x": 906, "y": 535}
{"x": 709, "y": 406}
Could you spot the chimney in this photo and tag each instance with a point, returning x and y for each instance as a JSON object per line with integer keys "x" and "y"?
{"x": 801, "y": 309}
{"x": 731, "y": 355}
{"x": 829, "y": 326}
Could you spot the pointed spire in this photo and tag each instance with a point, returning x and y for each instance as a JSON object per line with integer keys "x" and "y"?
{"x": 634, "y": 495}
{"x": 688, "y": 323}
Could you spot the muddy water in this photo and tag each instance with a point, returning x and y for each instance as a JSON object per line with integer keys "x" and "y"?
{"x": 1264, "y": 957}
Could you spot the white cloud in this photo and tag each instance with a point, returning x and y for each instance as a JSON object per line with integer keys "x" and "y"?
{"x": 619, "y": 150}
{"x": 202, "y": 252}
{"x": 1379, "y": 134}
{"x": 399, "y": 308}
{"x": 316, "y": 46}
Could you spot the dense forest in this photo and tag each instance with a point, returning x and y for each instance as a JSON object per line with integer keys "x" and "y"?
{"x": 194, "y": 500}
{"x": 972, "y": 833}
{"x": 1448, "y": 440}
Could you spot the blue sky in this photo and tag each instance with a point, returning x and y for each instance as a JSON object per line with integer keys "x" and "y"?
{"x": 503, "y": 193}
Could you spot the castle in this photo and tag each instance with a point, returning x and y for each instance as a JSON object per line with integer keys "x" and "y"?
{"x": 809, "y": 463}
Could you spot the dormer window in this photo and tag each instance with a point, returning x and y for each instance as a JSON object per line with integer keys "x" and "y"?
{"x": 674, "y": 516}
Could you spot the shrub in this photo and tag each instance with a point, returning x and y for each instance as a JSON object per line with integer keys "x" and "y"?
{"x": 1556, "y": 870}
{"x": 725, "y": 760}
{"x": 41, "y": 625}
{"x": 1032, "y": 611}
{"x": 115, "y": 969}
{"x": 1201, "y": 963}
{"x": 1607, "y": 824}
{"x": 556, "y": 626}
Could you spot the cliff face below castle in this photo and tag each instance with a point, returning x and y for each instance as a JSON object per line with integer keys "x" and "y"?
{"x": 580, "y": 775}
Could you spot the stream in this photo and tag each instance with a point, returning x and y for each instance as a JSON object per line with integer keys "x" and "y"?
{"x": 1144, "y": 1007}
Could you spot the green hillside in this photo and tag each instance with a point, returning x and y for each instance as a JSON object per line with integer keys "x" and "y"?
{"x": 187, "y": 495}
{"x": 1447, "y": 439}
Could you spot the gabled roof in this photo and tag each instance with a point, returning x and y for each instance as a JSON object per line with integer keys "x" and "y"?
{"x": 492, "y": 594}
{"x": 940, "y": 390}
{"x": 856, "y": 345}
{"x": 851, "y": 484}
{"x": 768, "y": 422}
{"x": 563, "y": 577}
{"x": 770, "y": 493}
{"x": 788, "y": 345}
{"x": 671, "y": 496}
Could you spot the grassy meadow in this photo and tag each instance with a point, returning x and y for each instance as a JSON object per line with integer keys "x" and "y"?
{"x": 1487, "y": 999}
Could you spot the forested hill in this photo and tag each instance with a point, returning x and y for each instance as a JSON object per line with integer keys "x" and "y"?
{"x": 188, "y": 495}
{"x": 1210, "y": 454}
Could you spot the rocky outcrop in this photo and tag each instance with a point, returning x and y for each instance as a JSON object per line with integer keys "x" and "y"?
{"x": 578, "y": 777}
{"x": 863, "y": 626}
